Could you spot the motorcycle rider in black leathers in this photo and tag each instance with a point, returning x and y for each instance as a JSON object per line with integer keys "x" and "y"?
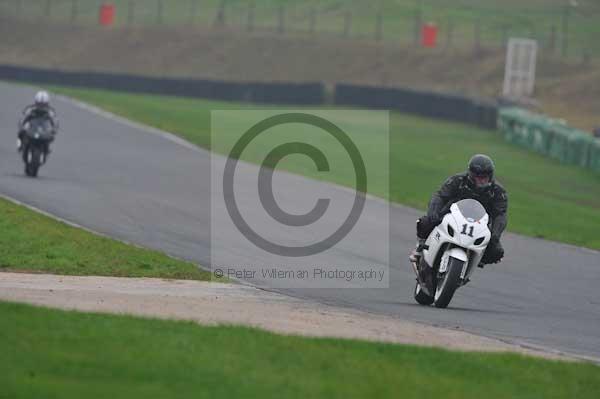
{"x": 477, "y": 183}
{"x": 40, "y": 108}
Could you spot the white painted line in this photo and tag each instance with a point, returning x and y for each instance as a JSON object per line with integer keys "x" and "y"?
{"x": 119, "y": 119}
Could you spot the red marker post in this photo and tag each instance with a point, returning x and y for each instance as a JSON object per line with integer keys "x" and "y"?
{"x": 107, "y": 14}
{"x": 429, "y": 35}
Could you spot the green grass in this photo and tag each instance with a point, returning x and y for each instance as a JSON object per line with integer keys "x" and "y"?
{"x": 546, "y": 199}
{"x": 33, "y": 242}
{"x": 533, "y": 18}
{"x": 57, "y": 354}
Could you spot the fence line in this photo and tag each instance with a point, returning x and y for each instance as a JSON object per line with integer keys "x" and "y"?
{"x": 557, "y": 34}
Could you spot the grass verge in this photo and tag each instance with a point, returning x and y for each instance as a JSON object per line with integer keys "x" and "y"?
{"x": 547, "y": 199}
{"x": 36, "y": 243}
{"x": 53, "y": 353}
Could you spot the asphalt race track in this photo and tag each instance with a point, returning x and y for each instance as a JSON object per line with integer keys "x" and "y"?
{"x": 122, "y": 180}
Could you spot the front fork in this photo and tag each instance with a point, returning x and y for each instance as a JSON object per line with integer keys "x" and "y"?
{"x": 468, "y": 267}
{"x": 26, "y": 149}
{"x": 426, "y": 275}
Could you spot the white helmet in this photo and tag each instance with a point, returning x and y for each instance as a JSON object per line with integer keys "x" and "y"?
{"x": 42, "y": 98}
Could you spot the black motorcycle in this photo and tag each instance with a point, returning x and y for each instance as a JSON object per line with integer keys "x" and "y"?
{"x": 38, "y": 134}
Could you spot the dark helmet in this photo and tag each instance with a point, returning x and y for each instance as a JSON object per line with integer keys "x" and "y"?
{"x": 481, "y": 172}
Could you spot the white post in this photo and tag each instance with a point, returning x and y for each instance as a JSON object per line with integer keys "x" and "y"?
{"x": 519, "y": 73}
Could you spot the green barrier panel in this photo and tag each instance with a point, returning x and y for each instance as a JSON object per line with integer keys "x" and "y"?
{"x": 578, "y": 148}
{"x": 594, "y": 157}
{"x": 539, "y": 135}
{"x": 559, "y": 142}
{"x": 512, "y": 123}
{"x": 549, "y": 137}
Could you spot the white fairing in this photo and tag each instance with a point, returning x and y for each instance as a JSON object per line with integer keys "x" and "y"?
{"x": 466, "y": 238}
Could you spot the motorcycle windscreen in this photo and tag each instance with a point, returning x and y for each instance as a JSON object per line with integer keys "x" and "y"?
{"x": 471, "y": 209}
{"x": 41, "y": 126}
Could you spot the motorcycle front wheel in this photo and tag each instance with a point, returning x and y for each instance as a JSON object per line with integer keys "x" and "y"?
{"x": 33, "y": 159}
{"x": 447, "y": 283}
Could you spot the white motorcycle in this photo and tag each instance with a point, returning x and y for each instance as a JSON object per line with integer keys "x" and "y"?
{"x": 451, "y": 252}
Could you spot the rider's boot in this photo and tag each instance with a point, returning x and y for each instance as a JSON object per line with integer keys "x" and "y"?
{"x": 416, "y": 254}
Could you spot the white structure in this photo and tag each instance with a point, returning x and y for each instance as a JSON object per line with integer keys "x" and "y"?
{"x": 519, "y": 73}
